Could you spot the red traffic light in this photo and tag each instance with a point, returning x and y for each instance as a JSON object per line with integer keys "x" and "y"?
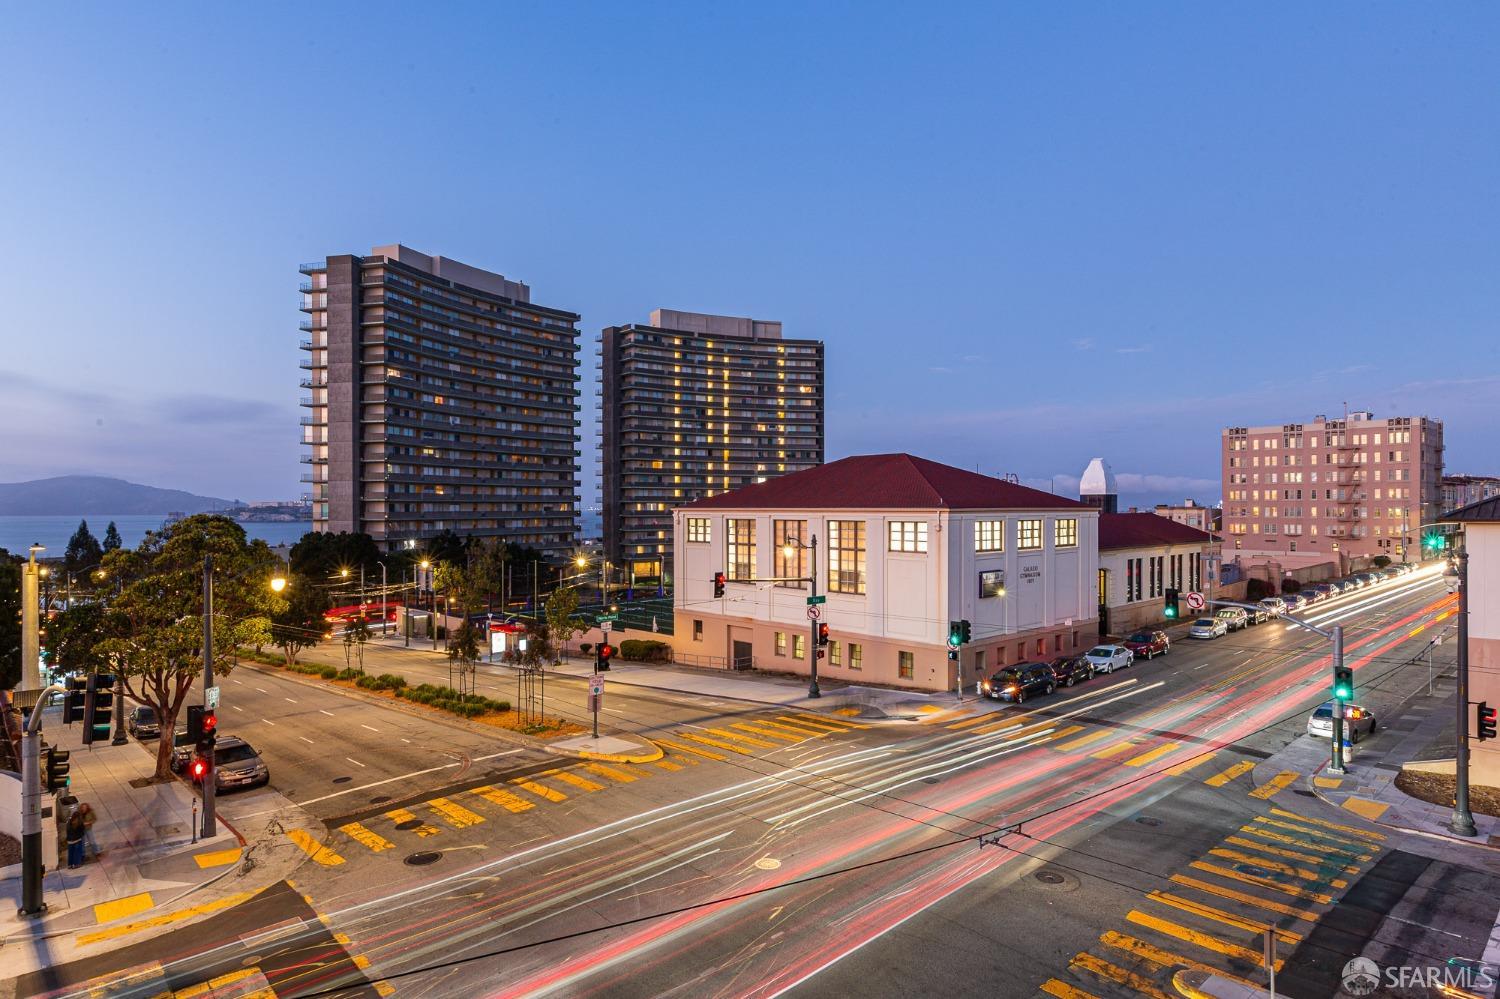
{"x": 606, "y": 651}
{"x": 823, "y": 633}
{"x": 200, "y": 767}
{"x": 210, "y": 722}
{"x": 719, "y": 580}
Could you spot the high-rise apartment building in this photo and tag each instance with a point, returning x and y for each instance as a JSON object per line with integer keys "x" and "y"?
{"x": 1309, "y": 492}
{"x": 441, "y": 398}
{"x": 694, "y": 405}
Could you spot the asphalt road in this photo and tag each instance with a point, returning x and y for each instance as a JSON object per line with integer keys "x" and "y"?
{"x": 775, "y": 851}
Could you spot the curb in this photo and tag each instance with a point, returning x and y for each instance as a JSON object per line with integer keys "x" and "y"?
{"x": 655, "y": 754}
{"x": 1409, "y": 830}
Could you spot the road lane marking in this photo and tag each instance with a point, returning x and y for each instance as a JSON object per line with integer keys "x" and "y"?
{"x": 760, "y": 743}
{"x": 1062, "y": 990}
{"x": 668, "y": 764}
{"x": 262, "y": 690}
{"x": 1192, "y": 764}
{"x": 1275, "y": 784}
{"x": 540, "y": 790}
{"x": 269, "y": 722}
{"x": 454, "y": 814}
{"x": 689, "y": 749}
{"x": 1220, "y": 916}
{"x": 236, "y": 707}
{"x": 370, "y": 727}
{"x": 1365, "y": 808}
{"x": 1118, "y": 975}
{"x": 765, "y": 732}
{"x": 218, "y": 858}
{"x": 237, "y": 680}
{"x": 1285, "y": 854}
{"x": 1224, "y": 777}
{"x": 510, "y": 802}
{"x": 368, "y": 837}
{"x": 1092, "y": 737}
{"x": 1196, "y": 937}
{"x": 317, "y": 851}
{"x": 1353, "y": 851}
{"x": 613, "y": 773}
{"x": 1143, "y": 951}
{"x": 355, "y": 762}
{"x": 800, "y": 733}
{"x": 1251, "y": 879}
{"x": 1115, "y": 750}
{"x": 717, "y": 743}
{"x": 835, "y": 724}
{"x": 292, "y": 699}
{"x": 1062, "y": 733}
{"x": 1352, "y": 830}
{"x": 1221, "y": 891}
{"x": 1318, "y": 834}
{"x": 1277, "y": 867}
{"x": 166, "y": 919}
{"x": 976, "y": 720}
{"x": 570, "y": 778}
{"x": 1153, "y": 755}
{"x": 306, "y": 740}
{"x": 400, "y": 815}
{"x": 392, "y": 780}
{"x": 328, "y": 713}
{"x": 996, "y": 727}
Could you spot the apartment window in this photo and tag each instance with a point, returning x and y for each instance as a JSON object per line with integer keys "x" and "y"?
{"x": 698, "y": 530}
{"x": 798, "y": 645}
{"x": 846, "y": 556}
{"x": 835, "y": 653}
{"x": 1065, "y": 533}
{"x": 989, "y": 536}
{"x": 1158, "y": 575}
{"x": 697, "y": 630}
{"x": 781, "y": 643}
{"x": 856, "y": 655}
{"x": 739, "y": 548}
{"x": 793, "y": 566}
{"x": 906, "y": 665}
{"x": 908, "y": 535}
{"x": 1028, "y": 535}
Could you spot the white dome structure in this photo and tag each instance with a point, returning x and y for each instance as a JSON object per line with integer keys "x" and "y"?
{"x": 1098, "y": 486}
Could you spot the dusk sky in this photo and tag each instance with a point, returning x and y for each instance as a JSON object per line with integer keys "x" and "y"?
{"x": 1029, "y": 233}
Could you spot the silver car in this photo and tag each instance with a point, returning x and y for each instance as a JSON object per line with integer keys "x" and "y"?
{"x": 1208, "y": 627}
{"x": 1108, "y": 658}
{"x": 1358, "y": 721}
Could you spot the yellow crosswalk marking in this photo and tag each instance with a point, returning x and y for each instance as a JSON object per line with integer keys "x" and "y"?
{"x": 1285, "y": 854}
{"x": 367, "y": 837}
{"x": 1225, "y": 776}
{"x": 773, "y": 727}
{"x": 835, "y": 722}
{"x": 1195, "y": 937}
{"x": 1143, "y": 951}
{"x": 977, "y": 719}
{"x": 802, "y": 726}
{"x": 1265, "y": 863}
{"x": 1277, "y": 783}
{"x": 1365, "y": 808}
{"x": 716, "y": 743}
{"x": 582, "y": 783}
{"x": 1252, "y": 879}
{"x": 1118, "y": 975}
{"x": 454, "y": 814}
{"x": 540, "y": 790}
{"x": 1062, "y": 990}
{"x": 766, "y": 731}
{"x": 1192, "y": 764}
{"x": 1086, "y": 740}
{"x": 400, "y": 815}
{"x": 1209, "y": 888}
{"x": 166, "y": 919}
{"x": 1316, "y": 834}
{"x": 510, "y": 802}
{"x": 215, "y": 984}
{"x": 310, "y": 846}
{"x": 760, "y": 743}
{"x": 1341, "y": 848}
{"x": 613, "y": 773}
{"x": 996, "y": 726}
{"x": 1115, "y": 750}
{"x": 1219, "y": 915}
{"x": 1062, "y": 733}
{"x": 1374, "y": 837}
{"x": 688, "y": 749}
{"x": 1153, "y": 755}
{"x": 668, "y": 764}
{"x": 122, "y": 908}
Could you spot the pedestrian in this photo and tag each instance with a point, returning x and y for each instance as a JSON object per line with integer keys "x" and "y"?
{"x": 90, "y": 844}
{"x": 66, "y": 806}
{"x": 75, "y": 841}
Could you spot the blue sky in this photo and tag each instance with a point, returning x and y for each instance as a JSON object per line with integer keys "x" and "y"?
{"x": 1029, "y": 233}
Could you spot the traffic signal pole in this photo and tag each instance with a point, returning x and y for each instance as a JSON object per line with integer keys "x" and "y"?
{"x": 812, "y": 644}
{"x": 210, "y": 826}
{"x": 1462, "y": 823}
{"x": 1336, "y": 761}
{"x": 31, "y": 810}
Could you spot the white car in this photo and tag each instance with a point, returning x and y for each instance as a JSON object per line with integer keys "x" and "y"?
{"x": 1108, "y": 658}
{"x": 1208, "y": 627}
{"x": 1275, "y": 606}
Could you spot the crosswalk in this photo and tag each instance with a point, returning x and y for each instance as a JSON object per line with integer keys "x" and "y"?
{"x": 475, "y": 806}
{"x": 1278, "y": 872}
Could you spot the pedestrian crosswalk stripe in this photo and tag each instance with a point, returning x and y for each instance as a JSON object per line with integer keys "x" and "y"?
{"x": 759, "y": 743}
{"x": 1195, "y": 937}
{"x": 1115, "y": 750}
{"x": 1079, "y": 743}
{"x": 314, "y": 849}
{"x": 1349, "y": 849}
{"x": 1209, "y": 888}
{"x": 996, "y": 726}
{"x": 1254, "y": 879}
{"x": 1285, "y": 854}
{"x": 510, "y": 802}
{"x": 582, "y": 783}
{"x": 773, "y": 727}
{"x": 400, "y": 815}
{"x": 1225, "y": 776}
{"x": 540, "y": 790}
{"x": 798, "y": 725}
{"x": 1351, "y": 830}
{"x": 668, "y": 764}
{"x": 367, "y": 837}
{"x": 1118, "y": 975}
{"x": 613, "y": 773}
{"x": 1062, "y": 733}
{"x": 716, "y": 743}
{"x": 1062, "y": 990}
{"x": 976, "y": 720}
{"x": 689, "y": 749}
{"x": 1152, "y": 954}
{"x": 1153, "y": 755}
{"x": 1315, "y": 833}
{"x": 1192, "y": 764}
{"x": 1275, "y": 784}
{"x": 1277, "y": 867}
{"x": 766, "y": 732}
{"x": 1219, "y": 915}
{"x": 835, "y": 723}
{"x": 454, "y": 814}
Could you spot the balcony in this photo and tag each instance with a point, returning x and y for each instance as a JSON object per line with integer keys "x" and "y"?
{"x": 307, "y": 477}
{"x": 308, "y": 383}
{"x": 312, "y": 421}
{"x": 312, "y": 268}
{"x": 305, "y": 326}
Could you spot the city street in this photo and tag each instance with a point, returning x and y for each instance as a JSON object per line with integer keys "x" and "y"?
{"x": 979, "y": 847}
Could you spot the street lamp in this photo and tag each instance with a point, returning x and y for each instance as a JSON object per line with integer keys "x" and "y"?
{"x": 278, "y": 583}
{"x": 789, "y": 548}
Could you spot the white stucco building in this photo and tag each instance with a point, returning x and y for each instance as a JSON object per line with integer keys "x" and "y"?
{"x": 903, "y": 546}
{"x": 1141, "y": 556}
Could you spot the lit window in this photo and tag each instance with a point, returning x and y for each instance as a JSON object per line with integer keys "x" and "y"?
{"x": 908, "y": 535}
{"x": 846, "y": 556}
{"x": 793, "y": 568}
{"x": 797, "y": 646}
{"x": 1028, "y": 535}
{"x": 1065, "y": 533}
{"x": 856, "y": 656}
{"x": 835, "y": 654}
{"x": 989, "y": 536}
{"x": 698, "y": 530}
{"x": 781, "y": 643}
{"x": 739, "y": 536}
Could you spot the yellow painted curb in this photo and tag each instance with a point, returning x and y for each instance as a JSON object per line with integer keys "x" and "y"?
{"x": 166, "y": 919}
{"x": 650, "y": 757}
{"x": 122, "y": 908}
{"x": 218, "y": 858}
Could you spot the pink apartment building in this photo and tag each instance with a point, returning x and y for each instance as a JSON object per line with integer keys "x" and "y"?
{"x": 1304, "y": 493}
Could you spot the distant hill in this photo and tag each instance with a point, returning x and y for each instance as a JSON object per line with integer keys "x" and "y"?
{"x": 88, "y": 495}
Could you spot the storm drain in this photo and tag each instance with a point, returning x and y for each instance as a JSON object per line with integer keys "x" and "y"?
{"x": 342, "y": 780}
{"x": 409, "y": 824}
{"x": 1049, "y": 877}
{"x": 423, "y": 859}
{"x": 380, "y": 799}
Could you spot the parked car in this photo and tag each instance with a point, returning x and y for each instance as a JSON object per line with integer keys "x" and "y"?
{"x": 1234, "y": 618}
{"x": 1108, "y": 658}
{"x": 1016, "y": 683}
{"x": 1370, "y": 578}
{"x": 141, "y": 722}
{"x": 237, "y": 764}
{"x": 1337, "y": 587}
{"x": 1294, "y": 602}
{"x": 1208, "y": 627}
{"x": 1072, "y": 669}
{"x": 1358, "y": 721}
{"x": 1148, "y": 644}
{"x": 1256, "y": 614}
{"x": 1318, "y": 592}
{"x": 1275, "y": 606}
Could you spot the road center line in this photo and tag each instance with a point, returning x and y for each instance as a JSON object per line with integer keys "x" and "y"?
{"x": 370, "y": 727}
{"x": 328, "y": 713}
{"x": 354, "y": 761}
{"x": 306, "y": 740}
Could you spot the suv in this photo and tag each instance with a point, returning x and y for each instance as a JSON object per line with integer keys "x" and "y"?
{"x": 1068, "y": 670}
{"x": 237, "y": 764}
{"x": 1016, "y": 683}
{"x": 141, "y": 722}
{"x": 1275, "y": 606}
{"x": 1234, "y": 618}
{"x": 1148, "y": 644}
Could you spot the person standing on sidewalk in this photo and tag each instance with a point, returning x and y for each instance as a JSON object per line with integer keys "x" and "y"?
{"x": 75, "y": 841}
{"x": 90, "y": 844}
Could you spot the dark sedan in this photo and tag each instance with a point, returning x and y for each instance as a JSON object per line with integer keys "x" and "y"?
{"x": 1072, "y": 669}
{"x": 141, "y": 722}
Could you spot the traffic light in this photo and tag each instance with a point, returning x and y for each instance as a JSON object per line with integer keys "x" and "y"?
{"x": 1486, "y": 721}
{"x": 964, "y": 631}
{"x": 195, "y": 723}
{"x": 200, "y": 767}
{"x": 73, "y": 700}
{"x": 604, "y": 652}
{"x": 822, "y": 633}
{"x": 952, "y": 655}
{"x": 56, "y": 776}
{"x": 955, "y": 635}
{"x": 1343, "y": 683}
{"x": 98, "y": 707}
{"x": 1435, "y": 541}
{"x": 210, "y": 725}
{"x": 719, "y": 581}
{"x": 1169, "y": 605}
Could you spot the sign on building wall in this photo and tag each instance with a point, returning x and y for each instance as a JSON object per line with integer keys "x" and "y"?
{"x": 992, "y": 583}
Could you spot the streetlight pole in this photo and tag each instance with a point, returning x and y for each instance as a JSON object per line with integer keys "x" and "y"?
{"x": 31, "y": 643}
{"x": 1462, "y": 823}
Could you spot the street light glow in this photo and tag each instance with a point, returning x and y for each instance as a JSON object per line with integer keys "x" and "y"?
{"x": 278, "y": 583}
{"x": 581, "y": 561}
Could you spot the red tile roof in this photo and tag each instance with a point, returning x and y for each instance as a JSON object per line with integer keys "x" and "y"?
{"x": 885, "y": 482}
{"x": 1143, "y": 530}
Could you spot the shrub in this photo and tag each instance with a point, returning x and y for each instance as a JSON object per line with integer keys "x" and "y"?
{"x": 585, "y": 647}
{"x": 366, "y": 683}
{"x": 645, "y": 650}
{"x": 1290, "y": 585}
{"x": 328, "y": 672}
{"x": 349, "y": 674}
{"x": 390, "y": 681}
{"x": 1380, "y": 561}
{"x": 1256, "y": 589}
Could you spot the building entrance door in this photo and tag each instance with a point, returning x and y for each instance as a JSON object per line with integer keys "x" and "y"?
{"x": 742, "y": 657}
{"x": 1103, "y": 602}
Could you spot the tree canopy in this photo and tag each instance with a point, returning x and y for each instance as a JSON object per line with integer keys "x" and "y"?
{"x": 10, "y": 620}
{"x": 112, "y": 540}
{"x": 320, "y": 554}
{"x": 297, "y": 615}
{"x": 83, "y": 550}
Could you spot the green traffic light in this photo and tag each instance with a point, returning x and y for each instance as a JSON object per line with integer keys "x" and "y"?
{"x": 1171, "y": 612}
{"x": 1343, "y": 693}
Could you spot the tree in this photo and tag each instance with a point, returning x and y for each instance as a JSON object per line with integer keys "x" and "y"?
{"x": 448, "y": 547}
{"x": 152, "y": 632}
{"x": 320, "y": 555}
{"x": 84, "y": 549}
{"x": 73, "y": 640}
{"x": 1380, "y": 561}
{"x": 112, "y": 538}
{"x": 562, "y": 605}
{"x": 10, "y": 620}
{"x": 297, "y": 616}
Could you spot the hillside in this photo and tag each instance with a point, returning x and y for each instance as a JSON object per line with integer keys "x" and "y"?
{"x": 88, "y": 495}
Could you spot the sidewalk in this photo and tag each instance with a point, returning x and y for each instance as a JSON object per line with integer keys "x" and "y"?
{"x": 149, "y": 862}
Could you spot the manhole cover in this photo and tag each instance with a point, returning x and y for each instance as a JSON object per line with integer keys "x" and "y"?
{"x": 929, "y": 780}
{"x": 410, "y": 824}
{"x": 768, "y": 863}
{"x": 1252, "y": 870}
{"x": 1147, "y": 820}
{"x": 1049, "y": 877}
{"x": 380, "y": 799}
{"x": 423, "y": 859}
{"x": 342, "y": 780}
